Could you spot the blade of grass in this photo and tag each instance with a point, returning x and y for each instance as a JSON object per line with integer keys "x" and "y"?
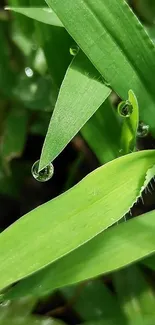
{"x": 115, "y": 248}
{"x": 75, "y": 217}
{"x": 81, "y": 94}
{"x": 116, "y": 43}
{"x": 44, "y": 15}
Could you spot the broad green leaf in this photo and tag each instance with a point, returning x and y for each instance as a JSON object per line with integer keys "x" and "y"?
{"x": 102, "y": 133}
{"x": 44, "y": 15}
{"x": 134, "y": 293}
{"x": 75, "y": 217}
{"x": 94, "y": 301}
{"x": 14, "y": 136}
{"x": 81, "y": 94}
{"x": 117, "y": 44}
{"x": 115, "y": 248}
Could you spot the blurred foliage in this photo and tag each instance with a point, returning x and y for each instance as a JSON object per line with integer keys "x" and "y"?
{"x": 30, "y": 79}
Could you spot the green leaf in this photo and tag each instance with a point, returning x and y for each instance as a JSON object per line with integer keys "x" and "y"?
{"x": 117, "y": 44}
{"x": 115, "y": 248}
{"x": 75, "y": 217}
{"x": 81, "y": 94}
{"x": 44, "y": 15}
{"x": 134, "y": 293}
{"x": 102, "y": 133}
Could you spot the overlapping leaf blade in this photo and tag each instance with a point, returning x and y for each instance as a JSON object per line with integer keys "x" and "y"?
{"x": 74, "y": 218}
{"x": 117, "y": 247}
{"x": 116, "y": 43}
{"x": 44, "y": 15}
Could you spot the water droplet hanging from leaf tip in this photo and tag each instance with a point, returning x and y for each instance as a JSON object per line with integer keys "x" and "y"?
{"x": 45, "y": 174}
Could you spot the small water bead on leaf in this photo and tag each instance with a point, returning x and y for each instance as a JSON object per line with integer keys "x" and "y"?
{"x": 45, "y": 174}
{"x": 125, "y": 109}
{"x": 143, "y": 130}
{"x": 74, "y": 49}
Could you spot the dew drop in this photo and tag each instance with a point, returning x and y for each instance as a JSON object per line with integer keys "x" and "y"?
{"x": 143, "y": 130}
{"x": 45, "y": 174}
{"x": 125, "y": 109}
{"x": 29, "y": 72}
{"x": 74, "y": 49}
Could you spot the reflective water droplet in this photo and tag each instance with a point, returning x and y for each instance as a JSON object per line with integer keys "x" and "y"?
{"x": 29, "y": 72}
{"x": 143, "y": 130}
{"x": 74, "y": 49}
{"x": 45, "y": 174}
{"x": 125, "y": 109}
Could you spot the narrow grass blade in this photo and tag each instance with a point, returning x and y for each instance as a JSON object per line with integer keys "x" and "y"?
{"x": 81, "y": 94}
{"x": 44, "y": 15}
